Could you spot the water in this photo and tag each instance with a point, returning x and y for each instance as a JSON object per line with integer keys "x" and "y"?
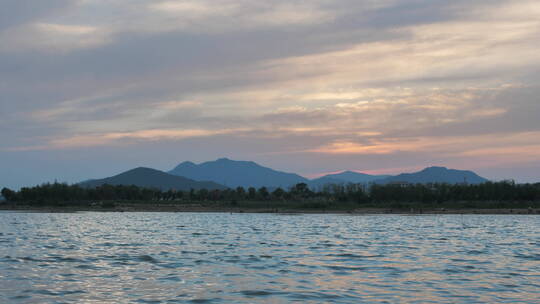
{"x": 236, "y": 258}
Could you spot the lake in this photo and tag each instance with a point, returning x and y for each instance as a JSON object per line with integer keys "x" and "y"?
{"x": 271, "y": 258}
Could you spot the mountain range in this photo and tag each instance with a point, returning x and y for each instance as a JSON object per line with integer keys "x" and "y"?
{"x": 225, "y": 173}
{"x": 232, "y": 173}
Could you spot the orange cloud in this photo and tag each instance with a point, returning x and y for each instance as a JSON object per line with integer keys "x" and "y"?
{"x": 90, "y": 140}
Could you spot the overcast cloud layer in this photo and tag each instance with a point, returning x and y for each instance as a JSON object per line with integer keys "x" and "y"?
{"x": 89, "y": 88}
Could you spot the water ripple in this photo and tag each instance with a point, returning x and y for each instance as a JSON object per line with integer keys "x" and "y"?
{"x": 277, "y": 258}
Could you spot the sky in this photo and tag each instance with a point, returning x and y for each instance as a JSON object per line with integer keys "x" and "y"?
{"x": 91, "y": 88}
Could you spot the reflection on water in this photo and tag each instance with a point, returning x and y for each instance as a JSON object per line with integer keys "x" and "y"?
{"x": 221, "y": 257}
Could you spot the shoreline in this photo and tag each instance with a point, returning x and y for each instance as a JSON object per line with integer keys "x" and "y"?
{"x": 239, "y": 210}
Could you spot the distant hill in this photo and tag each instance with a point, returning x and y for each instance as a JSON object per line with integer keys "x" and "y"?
{"x": 151, "y": 178}
{"x": 355, "y": 177}
{"x": 436, "y": 175}
{"x": 232, "y": 173}
{"x": 223, "y": 173}
{"x": 344, "y": 177}
{"x": 318, "y": 183}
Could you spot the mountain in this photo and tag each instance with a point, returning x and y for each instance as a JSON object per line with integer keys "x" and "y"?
{"x": 436, "y": 175}
{"x": 215, "y": 174}
{"x": 344, "y": 177}
{"x": 317, "y": 183}
{"x": 151, "y": 178}
{"x": 355, "y": 177}
{"x": 234, "y": 173}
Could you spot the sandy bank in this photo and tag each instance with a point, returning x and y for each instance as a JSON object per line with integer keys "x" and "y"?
{"x": 199, "y": 208}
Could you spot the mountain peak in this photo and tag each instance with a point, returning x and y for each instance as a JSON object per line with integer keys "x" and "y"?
{"x": 349, "y": 177}
{"x": 186, "y": 164}
{"x": 225, "y": 160}
{"x": 152, "y": 178}
{"x": 141, "y": 169}
{"x": 437, "y": 174}
{"x": 435, "y": 168}
{"x": 234, "y": 173}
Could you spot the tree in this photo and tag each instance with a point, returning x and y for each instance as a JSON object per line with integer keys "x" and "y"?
{"x": 203, "y": 194}
{"x": 301, "y": 190}
{"x": 252, "y": 193}
{"x": 9, "y": 194}
{"x": 241, "y": 193}
{"x": 278, "y": 193}
{"x": 263, "y": 193}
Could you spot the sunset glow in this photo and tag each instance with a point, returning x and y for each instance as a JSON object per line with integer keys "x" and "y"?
{"x": 90, "y": 88}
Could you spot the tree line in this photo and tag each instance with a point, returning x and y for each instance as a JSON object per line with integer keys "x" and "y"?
{"x": 507, "y": 191}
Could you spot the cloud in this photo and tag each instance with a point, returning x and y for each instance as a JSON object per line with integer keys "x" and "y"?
{"x": 329, "y": 81}
{"x": 398, "y": 119}
{"x": 449, "y": 50}
{"x": 48, "y": 37}
{"x": 119, "y": 138}
{"x": 16, "y": 12}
